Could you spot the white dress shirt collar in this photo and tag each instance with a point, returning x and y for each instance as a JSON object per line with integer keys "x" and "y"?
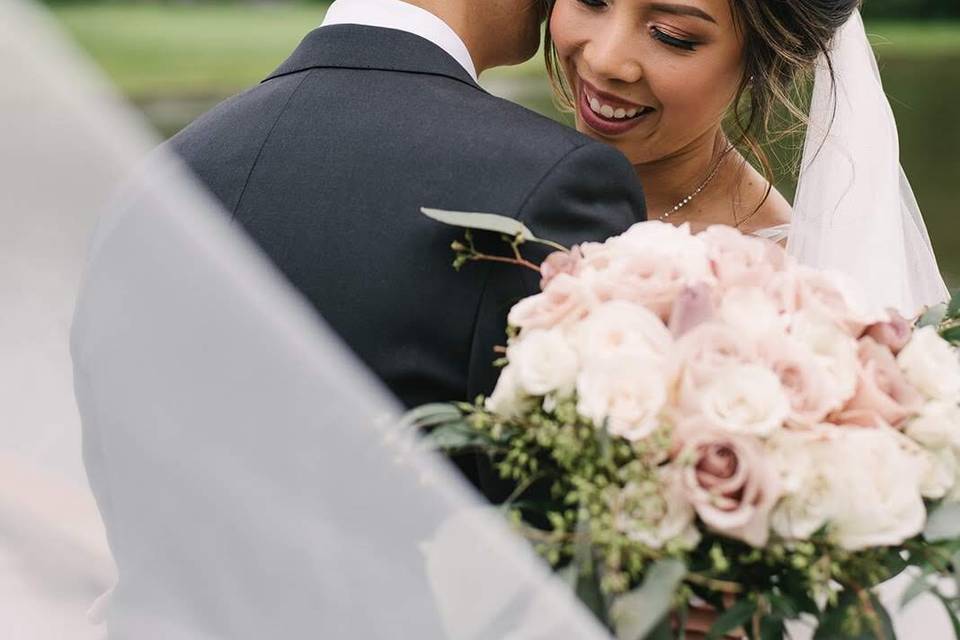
{"x": 400, "y": 15}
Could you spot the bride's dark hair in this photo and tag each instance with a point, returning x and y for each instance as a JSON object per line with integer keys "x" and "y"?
{"x": 783, "y": 39}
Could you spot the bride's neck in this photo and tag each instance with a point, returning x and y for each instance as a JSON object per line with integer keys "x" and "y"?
{"x": 668, "y": 181}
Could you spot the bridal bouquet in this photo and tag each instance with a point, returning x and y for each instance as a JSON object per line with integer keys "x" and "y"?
{"x": 697, "y": 417}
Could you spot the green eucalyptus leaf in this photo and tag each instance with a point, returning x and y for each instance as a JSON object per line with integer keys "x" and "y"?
{"x": 454, "y": 437}
{"x": 830, "y": 626}
{"x": 487, "y": 222}
{"x": 482, "y": 221}
{"x": 953, "y": 309}
{"x": 933, "y": 316}
{"x": 951, "y": 613}
{"x": 886, "y": 623}
{"x": 798, "y": 599}
{"x": 683, "y": 617}
{"x": 782, "y": 606}
{"x": 733, "y": 618}
{"x": 772, "y": 628}
{"x": 832, "y": 622}
{"x": 951, "y": 334}
{"x": 431, "y": 415}
{"x": 588, "y": 577}
{"x": 943, "y": 523}
{"x": 637, "y": 613}
{"x": 919, "y": 586}
{"x": 663, "y": 631}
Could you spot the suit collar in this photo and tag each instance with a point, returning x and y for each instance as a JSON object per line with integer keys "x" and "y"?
{"x": 351, "y": 46}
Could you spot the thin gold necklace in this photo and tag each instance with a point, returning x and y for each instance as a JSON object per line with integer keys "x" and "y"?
{"x": 685, "y": 201}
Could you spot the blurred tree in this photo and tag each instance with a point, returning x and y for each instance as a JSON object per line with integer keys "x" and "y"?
{"x": 911, "y": 8}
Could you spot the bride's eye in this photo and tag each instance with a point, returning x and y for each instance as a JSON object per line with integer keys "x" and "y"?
{"x": 666, "y": 38}
{"x": 595, "y": 4}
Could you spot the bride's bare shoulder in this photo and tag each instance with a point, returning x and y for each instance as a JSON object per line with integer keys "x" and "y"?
{"x": 774, "y": 209}
{"x": 774, "y": 212}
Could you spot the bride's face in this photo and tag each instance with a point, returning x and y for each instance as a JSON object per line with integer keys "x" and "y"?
{"x": 651, "y": 78}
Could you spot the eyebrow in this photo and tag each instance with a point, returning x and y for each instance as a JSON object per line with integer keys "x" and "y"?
{"x": 682, "y": 10}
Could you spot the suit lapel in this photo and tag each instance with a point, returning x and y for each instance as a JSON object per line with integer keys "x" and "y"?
{"x": 350, "y": 46}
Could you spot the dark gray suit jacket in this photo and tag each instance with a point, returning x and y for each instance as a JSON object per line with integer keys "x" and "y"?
{"x": 328, "y": 161}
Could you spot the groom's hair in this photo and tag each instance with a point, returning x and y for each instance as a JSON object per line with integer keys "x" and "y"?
{"x": 783, "y": 41}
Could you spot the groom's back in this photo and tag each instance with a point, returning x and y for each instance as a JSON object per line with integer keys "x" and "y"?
{"x": 327, "y": 163}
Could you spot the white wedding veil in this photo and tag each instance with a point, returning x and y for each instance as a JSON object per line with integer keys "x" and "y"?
{"x": 854, "y": 210}
{"x": 252, "y": 477}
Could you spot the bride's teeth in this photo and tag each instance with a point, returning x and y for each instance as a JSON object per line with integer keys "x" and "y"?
{"x": 608, "y": 111}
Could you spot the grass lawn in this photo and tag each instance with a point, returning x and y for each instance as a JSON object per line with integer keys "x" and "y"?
{"x": 154, "y": 51}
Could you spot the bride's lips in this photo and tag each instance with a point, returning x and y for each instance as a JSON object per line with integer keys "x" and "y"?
{"x": 606, "y": 122}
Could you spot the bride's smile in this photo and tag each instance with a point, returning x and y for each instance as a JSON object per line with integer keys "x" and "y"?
{"x": 607, "y": 114}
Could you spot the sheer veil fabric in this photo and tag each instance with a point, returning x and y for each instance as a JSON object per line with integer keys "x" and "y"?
{"x": 250, "y": 472}
{"x": 252, "y": 476}
{"x": 854, "y": 210}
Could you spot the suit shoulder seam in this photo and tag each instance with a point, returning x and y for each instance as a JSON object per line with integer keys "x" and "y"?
{"x": 536, "y": 187}
{"x": 266, "y": 138}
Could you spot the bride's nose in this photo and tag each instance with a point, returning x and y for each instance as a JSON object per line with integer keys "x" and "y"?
{"x": 613, "y": 54}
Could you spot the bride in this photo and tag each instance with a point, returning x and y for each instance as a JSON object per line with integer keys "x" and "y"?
{"x": 689, "y": 91}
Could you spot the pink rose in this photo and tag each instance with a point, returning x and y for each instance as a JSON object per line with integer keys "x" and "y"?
{"x": 693, "y": 307}
{"x": 828, "y": 295}
{"x": 893, "y": 333}
{"x": 783, "y": 287}
{"x": 565, "y": 300}
{"x": 741, "y": 260}
{"x": 643, "y": 278}
{"x": 806, "y": 382}
{"x": 727, "y": 480}
{"x": 596, "y": 256}
{"x": 559, "y": 262}
{"x": 702, "y": 355}
{"x": 883, "y": 395}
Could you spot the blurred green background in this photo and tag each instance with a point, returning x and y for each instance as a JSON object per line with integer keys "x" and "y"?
{"x": 176, "y": 60}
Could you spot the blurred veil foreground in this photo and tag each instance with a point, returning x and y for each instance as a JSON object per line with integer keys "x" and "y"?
{"x": 251, "y": 475}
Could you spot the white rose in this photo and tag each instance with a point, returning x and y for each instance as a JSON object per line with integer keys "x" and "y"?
{"x": 940, "y": 473}
{"x": 657, "y": 516}
{"x": 937, "y": 430}
{"x": 618, "y": 328}
{"x": 745, "y": 399}
{"x": 544, "y": 362}
{"x": 750, "y": 309}
{"x": 931, "y": 364}
{"x": 626, "y": 393}
{"x": 508, "y": 399}
{"x": 876, "y": 483}
{"x": 834, "y": 350}
{"x": 806, "y": 505}
{"x": 937, "y": 426}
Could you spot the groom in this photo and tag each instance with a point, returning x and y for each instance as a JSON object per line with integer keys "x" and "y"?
{"x": 377, "y": 113}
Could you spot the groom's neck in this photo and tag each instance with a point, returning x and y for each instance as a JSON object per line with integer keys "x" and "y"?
{"x": 487, "y": 47}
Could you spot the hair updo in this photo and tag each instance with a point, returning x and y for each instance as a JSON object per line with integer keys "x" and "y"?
{"x": 782, "y": 41}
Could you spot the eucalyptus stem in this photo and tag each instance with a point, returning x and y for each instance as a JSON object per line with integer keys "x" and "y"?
{"x": 482, "y": 257}
{"x": 873, "y": 616}
{"x": 522, "y": 487}
{"x": 723, "y": 586}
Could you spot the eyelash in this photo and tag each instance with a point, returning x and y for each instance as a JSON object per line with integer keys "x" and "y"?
{"x": 657, "y": 34}
{"x": 679, "y": 43}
